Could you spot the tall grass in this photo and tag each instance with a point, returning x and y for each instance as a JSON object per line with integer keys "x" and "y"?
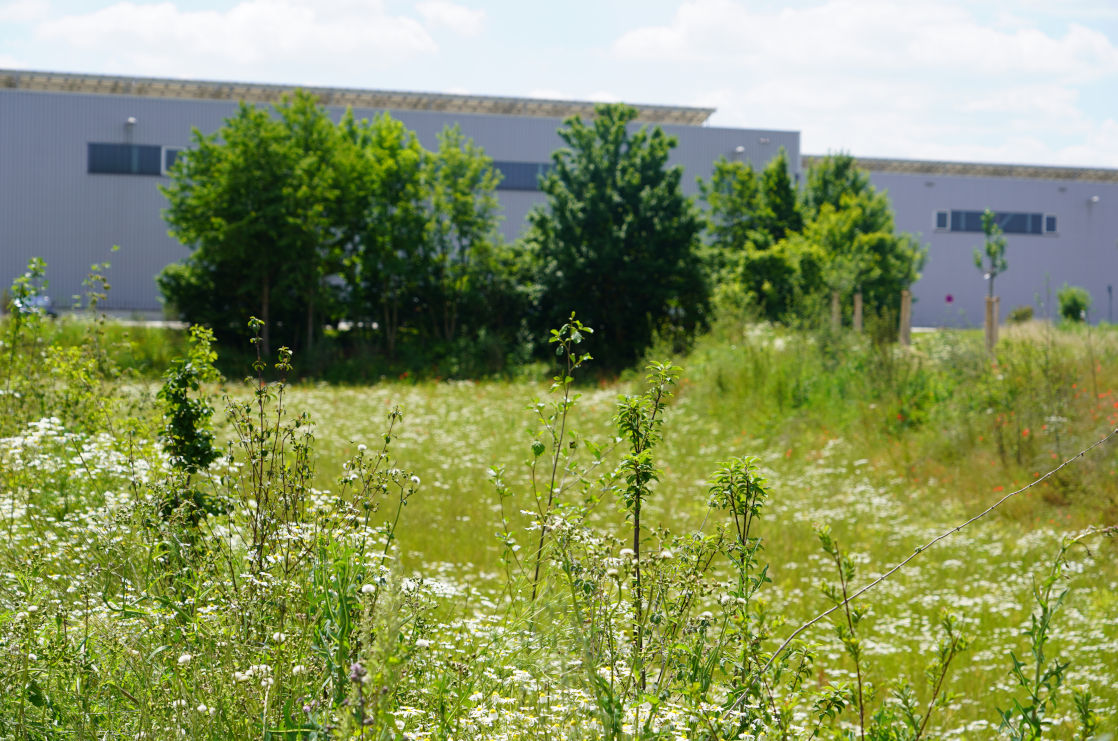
{"x": 348, "y": 580}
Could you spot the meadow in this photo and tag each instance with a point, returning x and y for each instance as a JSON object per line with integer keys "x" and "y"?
{"x": 456, "y": 559}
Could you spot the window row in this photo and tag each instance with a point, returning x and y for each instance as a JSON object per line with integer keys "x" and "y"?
{"x": 1011, "y": 222}
{"x": 130, "y": 159}
{"x": 521, "y": 175}
{"x": 147, "y": 159}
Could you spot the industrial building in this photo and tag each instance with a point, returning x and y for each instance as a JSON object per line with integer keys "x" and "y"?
{"x": 81, "y": 157}
{"x": 1060, "y": 223}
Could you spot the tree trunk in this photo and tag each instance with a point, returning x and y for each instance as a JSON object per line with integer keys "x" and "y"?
{"x": 310, "y": 325}
{"x": 265, "y": 316}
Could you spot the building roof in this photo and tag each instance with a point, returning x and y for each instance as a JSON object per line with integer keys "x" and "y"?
{"x": 978, "y": 169}
{"x": 251, "y": 92}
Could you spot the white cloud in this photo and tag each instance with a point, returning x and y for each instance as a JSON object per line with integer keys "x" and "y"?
{"x": 251, "y": 35}
{"x": 459, "y": 18}
{"x": 23, "y": 11}
{"x": 10, "y": 62}
{"x": 876, "y": 77}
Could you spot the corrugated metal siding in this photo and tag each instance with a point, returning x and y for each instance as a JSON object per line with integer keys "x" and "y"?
{"x": 1081, "y": 253}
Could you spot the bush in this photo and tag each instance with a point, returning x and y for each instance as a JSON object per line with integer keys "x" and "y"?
{"x": 1020, "y": 314}
{"x": 1074, "y": 303}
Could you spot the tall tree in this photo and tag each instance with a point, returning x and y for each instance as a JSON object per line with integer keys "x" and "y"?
{"x": 617, "y": 240}
{"x": 462, "y": 228}
{"x": 733, "y": 198}
{"x": 830, "y": 179}
{"x": 780, "y": 208}
{"x": 386, "y": 260}
{"x": 249, "y": 201}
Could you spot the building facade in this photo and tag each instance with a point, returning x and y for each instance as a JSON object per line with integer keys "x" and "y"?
{"x": 1060, "y": 225}
{"x": 82, "y": 156}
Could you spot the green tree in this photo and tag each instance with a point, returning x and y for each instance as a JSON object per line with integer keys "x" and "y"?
{"x": 617, "y": 241}
{"x": 733, "y": 198}
{"x": 1074, "y": 302}
{"x": 863, "y": 252}
{"x": 990, "y": 260}
{"x": 831, "y": 178}
{"x": 853, "y": 223}
{"x": 780, "y": 212}
{"x": 786, "y": 248}
{"x": 387, "y": 222}
{"x": 251, "y": 201}
{"x": 462, "y": 234}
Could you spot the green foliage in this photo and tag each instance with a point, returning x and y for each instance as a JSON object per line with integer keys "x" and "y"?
{"x": 990, "y": 260}
{"x": 1074, "y": 303}
{"x": 733, "y": 198}
{"x": 253, "y": 201}
{"x": 779, "y": 213}
{"x": 1020, "y": 314}
{"x": 617, "y": 240}
{"x": 1043, "y": 676}
{"x": 187, "y": 435}
{"x": 463, "y": 278}
{"x": 307, "y": 223}
{"x": 293, "y": 612}
{"x": 22, "y": 334}
{"x": 789, "y": 253}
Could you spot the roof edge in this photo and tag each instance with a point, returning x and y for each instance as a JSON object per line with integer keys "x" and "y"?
{"x": 253, "y": 92}
{"x": 977, "y": 169}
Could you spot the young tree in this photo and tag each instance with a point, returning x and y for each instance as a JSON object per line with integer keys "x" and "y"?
{"x": 990, "y": 260}
{"x": 617, "y": 241}
{"x": 830, "y": 179}
{"x": 838, "y": 235}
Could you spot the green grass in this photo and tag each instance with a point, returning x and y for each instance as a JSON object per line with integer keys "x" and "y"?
{"x": 889, "y": 447}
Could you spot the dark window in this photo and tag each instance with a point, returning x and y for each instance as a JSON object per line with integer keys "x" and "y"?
{"x": 941, "y": 219}
{"x": 125, "y": 159}
{"x": 966, "y": 221}
{"x": 1049, "y": 224}
{"x": 169, "y": 157}
{"x": 521, "y": 175}
{"x": 1010, "y": 222}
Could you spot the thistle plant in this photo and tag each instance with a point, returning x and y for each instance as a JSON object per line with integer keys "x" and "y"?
{"x": 1040, "y": 676}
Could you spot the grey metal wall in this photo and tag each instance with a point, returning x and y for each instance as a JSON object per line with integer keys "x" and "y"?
{"x": 1082, "y": 252}
{"x": 51, "y": 207}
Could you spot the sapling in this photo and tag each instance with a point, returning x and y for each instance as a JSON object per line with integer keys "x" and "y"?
{"x": 565, "y": 339}
{"x": 990, "y": 260}
{"x": 639, "y": 420}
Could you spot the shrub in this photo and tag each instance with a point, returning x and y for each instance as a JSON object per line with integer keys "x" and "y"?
{"x": 1020, "y": 314}
{"x": 1074, "y": 303}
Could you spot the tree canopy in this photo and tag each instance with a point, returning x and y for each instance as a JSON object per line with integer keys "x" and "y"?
{"x": 617, "y": 241}
{"x": 302, "y": 221}
{"x": 786, "y": 249}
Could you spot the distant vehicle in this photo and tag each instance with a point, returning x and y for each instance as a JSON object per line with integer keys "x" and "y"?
{"x": 38, "y": 303}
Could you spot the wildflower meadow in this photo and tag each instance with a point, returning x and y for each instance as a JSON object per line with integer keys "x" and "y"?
{"x": 781, "y": 534}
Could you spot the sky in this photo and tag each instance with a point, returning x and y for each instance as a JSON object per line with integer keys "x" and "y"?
{"x": 1025, "y": 82}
